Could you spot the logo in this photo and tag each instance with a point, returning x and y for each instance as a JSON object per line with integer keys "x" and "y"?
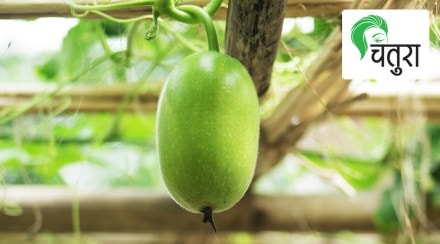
{"x": 384, "y": 44}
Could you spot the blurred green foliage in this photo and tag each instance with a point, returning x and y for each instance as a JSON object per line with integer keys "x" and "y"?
{"x": 434, "y": 34}
{"x": 75, "y": 150}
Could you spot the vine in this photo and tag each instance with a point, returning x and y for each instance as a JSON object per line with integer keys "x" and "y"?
{"x": 189, "y": 14}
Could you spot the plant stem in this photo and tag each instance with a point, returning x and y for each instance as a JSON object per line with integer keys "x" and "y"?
{"x": 118, "y": 20}
{"x": 200, "y": 15}
{"x": 116, "y": 59}
{"x": 102, "y": 38}
{"x": 130, "y": 39}
{"x": 188, "y": 14}
{"x": 168, "y": 8}
{"x": 213, "y": 6}
{"x": 110, "y": 6}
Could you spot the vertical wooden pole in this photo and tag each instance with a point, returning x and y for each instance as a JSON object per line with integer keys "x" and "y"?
{"x": 253, "y": 31}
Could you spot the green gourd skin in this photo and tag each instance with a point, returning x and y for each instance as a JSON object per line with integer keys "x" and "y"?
{"x": 207, "y": 132}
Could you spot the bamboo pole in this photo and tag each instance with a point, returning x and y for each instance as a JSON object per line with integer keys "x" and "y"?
{"x": 140, "y": 210}
{"x": 89, "y": 99}
{"x": 253, "y": 33}
{"x": 24, "y": 9}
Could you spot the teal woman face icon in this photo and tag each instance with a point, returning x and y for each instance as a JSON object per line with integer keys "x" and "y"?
{"x": 371, "y": 29}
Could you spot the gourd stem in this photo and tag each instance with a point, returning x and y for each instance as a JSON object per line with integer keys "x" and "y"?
{"x": 191, "y": 14}
{"x": 202, "y": 16}
{"x": 169, "y": 9}
{"x": 213, "y": 6}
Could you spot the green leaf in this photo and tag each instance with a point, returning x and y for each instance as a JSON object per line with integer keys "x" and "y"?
{"x": 359, "y": 173}
{"x": 113, "y": 29}
{"x": 76, "y": 48}
{"x": 49, "y": 71}
{"x": 385, "y": 217}
{"x": 77, "y": 53}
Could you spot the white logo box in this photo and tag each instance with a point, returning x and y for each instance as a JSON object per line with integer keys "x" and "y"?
{"x": 406, "y": 44}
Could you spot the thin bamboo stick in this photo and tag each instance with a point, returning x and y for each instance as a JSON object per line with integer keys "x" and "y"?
{"x": 23, "y": 9}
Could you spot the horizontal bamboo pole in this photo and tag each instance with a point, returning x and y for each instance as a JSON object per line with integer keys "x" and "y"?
{"x": 23, "y": 9}
{"x": 223, "y": 237}
{"x": 380, "y": 102}
{"x": 88, "y": 99}
{"x": 140, "y": 210}
{"x": 395, "y": 106}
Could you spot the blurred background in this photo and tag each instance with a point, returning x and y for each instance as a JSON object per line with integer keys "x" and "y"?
{"x": 77, "y": 141}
